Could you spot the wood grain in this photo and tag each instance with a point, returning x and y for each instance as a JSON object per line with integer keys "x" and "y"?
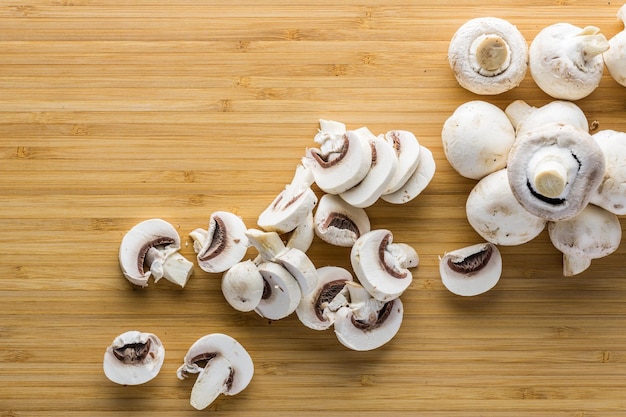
{"x": 113, "y": 111}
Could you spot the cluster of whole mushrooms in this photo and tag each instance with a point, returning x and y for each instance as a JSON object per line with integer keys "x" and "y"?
{"x": 536, "y": 167}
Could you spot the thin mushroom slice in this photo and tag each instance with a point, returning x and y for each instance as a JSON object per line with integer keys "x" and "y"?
{"x": 150, "y": 248}
{"x": 281, "y": 293}
{"x": 338, "y": 223}
{"x": 471, "y": 270}
{"x": 243, "y": 285}
{"x": 417, "y": 182}
{"x": 302, "y": 236}
{"x": 133, "y": 358}
{"x": 224, "y": 243}
{"x": 407, "y": 149}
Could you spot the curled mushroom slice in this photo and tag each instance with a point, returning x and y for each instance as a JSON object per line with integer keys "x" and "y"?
{"x": 615, "y": 56}
{"x": 417, "y": 182}
{"x": 224, "y": 367}
{"x": 243, "y": 285}
{"x": 611, "y": 194}
{"x": 566, "y": 60}
{"x": 317, "y": 310}
{"x": 153, "y": 244}
{"x": 471, "y": 270}
{"x": 488, "y": 55}
{"x": 223, "y": 244}
{"x": 367, "y": 323}
{"x": 133, "y": 358}
{"x": 338, "y": 223}
{"x": 407, "y": 149}
{"x": 281, "y": 293}
{"x": 380, "y": 265}
{"x": 554, "y": 169}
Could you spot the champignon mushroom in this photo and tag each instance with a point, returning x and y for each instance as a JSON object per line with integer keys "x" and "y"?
{"x": 417, "y": 182}
{"x": 477, "y": 139}
{"x": 554, "y": 169}
{"x": 338, "y": 223}
{"x": 566, "y": 61}
{"x": 243, "y": 286}
{"x": 593, "y": 233}
{"x": 615, "y": 56}
{"x": 611, "y": 194}
{"x": 281, "y": 293}
{"x": 525, "y": 117}
{"x": 496, "y": 215}
{"x": 154, "y": 244}
{"x": 224, "y": 243}
{"x": 302, "y": 236}
{"x": 488, "y": 55}
{"x": 407, "y": 149}
{"x": 224, "y": 367}
{"x": 471, "y": 270}
{"x": 133, "y": 358}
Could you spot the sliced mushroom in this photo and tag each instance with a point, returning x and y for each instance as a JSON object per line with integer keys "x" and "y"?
{"x": 488, "y": 55}
{"x": 407, "y": 149}
{"x": 611, "y": 194}
{"x": 281, "y": 293}
{"x": 367, "y": 323}
{"x": 471, "y": 270}
{"x": 133, "y": 358}
{"x": 153, "y": 244}
{"x": 243, "y": 286}
{"x": 525, "y": 117}
{"x": 380, "y": 265}
{"x": 302, "y": 236}
{"x": 593, "y": 233}
{"x": 615, "y": 56}
{"x": 566, "y": 60}
{"x": 339, "y": 223}
{"x": 317, "y": 310}
{"x": 417, "y": 182}
{"x": 554, "y": 169}
{"x": 224, "y": 367}
{"x": 224, "y": 243}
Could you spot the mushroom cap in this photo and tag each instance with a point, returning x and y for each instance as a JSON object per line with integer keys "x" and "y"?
{"x": 338, "y": 223}
{"x": 471, "y": 270}
{"x": 615, "y": 56}
{"x": 464, "y": 69}
{"x": 223, "y": 245}
{"x": 526, "y": 118}
{"x": 282, "y": 292}
{"x": 242, "y": 286}
{"x": 611, "y": 194}
{"x": 138, "y": 366}
{"x": 417, "y": 182}
{"x": 477, "y": 139}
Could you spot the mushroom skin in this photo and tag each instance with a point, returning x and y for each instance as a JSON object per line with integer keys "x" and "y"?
{"x": 566, "y": 60}
{"x": 338, "y": 223}
{"x": 488, "y": 56}
{"x": 133, "y": 358}
{"x": 611, "y": 194}
{"x": 281, "y": 294}
{"x": 471, "y": 270}
{"x": 615, "y": 56}
{"x": 525, "y": 117}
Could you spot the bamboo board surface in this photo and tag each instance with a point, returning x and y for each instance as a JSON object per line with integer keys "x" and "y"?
{"x": 112, "y": 112}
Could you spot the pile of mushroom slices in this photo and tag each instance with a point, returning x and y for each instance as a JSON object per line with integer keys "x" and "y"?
{"x": 536, "y": 168}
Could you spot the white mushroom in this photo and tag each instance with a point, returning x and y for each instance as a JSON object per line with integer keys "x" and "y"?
{"x": 566, "y": 60}
{"x": 611, "y": 194}
{"x": 133, "y": 358}
{"x": 153, "y": 244}
{"x": 281, "y": 293}
{"x": 407, "y": 149}
{"x": 224, "y": 367}
{"x": 477, "y": 139}
{"x": 367, "y": 323}
{"x": 417, "y": 182}
{"x": 525, "y": 117}
{"x": 243, "y": 285}
{"x": 592, "y": 234}
{"x": 302, "y": 236}
{"x": 471, "y": 270}
{"x": 224, "y": 243}
{"x": 615, "y": 56}
{"x": 488, "y": 55}
{"x": 338, "y": 223}
{"x": 496, "y": 215}
{"x": 381, "y": 266}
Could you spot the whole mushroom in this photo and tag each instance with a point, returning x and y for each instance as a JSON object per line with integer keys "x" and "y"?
{"x": 611, "y": 194}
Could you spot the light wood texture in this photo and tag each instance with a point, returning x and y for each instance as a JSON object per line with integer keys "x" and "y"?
{"x": 112, "y": 112}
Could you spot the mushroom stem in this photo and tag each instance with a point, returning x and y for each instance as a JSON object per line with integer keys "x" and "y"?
{"x": 490, "y": 55}
{"x": 550, "y": 171}
{"x": 517, "y": 111}
{"x": 168, "y": 264}
{"x": 590, "y": 42}
{"x": 364, "y": 307}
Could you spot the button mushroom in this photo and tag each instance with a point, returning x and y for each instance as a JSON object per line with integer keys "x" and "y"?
{"x": 417, "y": 182}
{"x": 133, "y": 358}
{"x": 525, "y": 117}
{"x": 488, "y": 55}
{"x": 150, "y": 248}
{"x": 611, "y": 194}
{"x": 243, "y": 286}
{"x": 471, "y": 270}
{"x": 338, "y": 223}
{"x": 615, "y": 56}
{"x": 223, "y": 366}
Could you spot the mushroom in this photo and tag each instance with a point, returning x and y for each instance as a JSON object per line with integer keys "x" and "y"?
{"x": 223, "y": 366}
{"x": 407, "y": 149}
{"x": 417, "y": 182}
{"x": 133, "y": 358}
{"x": 566, "y": 61}
{"x": 477, "y": 139}
{"x": 366, "y": 323}
{"x": 554, "y": 169}
{"x": 615, "y": 56}
{"x": 243, "y": 286}
{"x": 317, "y": 310}
{"x": 525, "y": 117}
{"x": 611, "y": 194}
{"x": 471, "y": 270}
{"x": 488, "y": 55}
{"x": 223, "y": 244}
{"x": 338, "y": 223}
{"x": 302, "y": 236}
{"x": 150, "y": 248}
{"x": 496, "y": 215}
{"x": 281, "y": 294}
{"x": 382, "y": 266}
{"x": 593, "y": 233}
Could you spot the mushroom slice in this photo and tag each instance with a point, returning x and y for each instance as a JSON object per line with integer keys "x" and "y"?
{"x": 615, "y": 56}
{"x": 302, "y": 236}
{"x": 133, "y": 358}
{"x": 471, "y": 270}
{"x": 525, "y": 117}
{"x": 384, "y": 165}
{"x": 281, "y": 293}
{"x": 224, "y": 367}
{"x": 380, "y": 265}
{"x": 611, "y": 194}
{"x": 593, "y": 233}
{"x": 496, "y": 215}
{"x": 566, "y": 61}
{"x": 292, "y": 205}
{"x": 417, "y": 182}
{"x": 407, "y": 149}
{"x": 317, "y": 310}
{"x": 243, "y": 285}
{"x": 554, "y": 169}
{"x": 367, "y": 323}
{"x": 338, "y": 223}
{"x": 154, "y": 244}
{"x": 488, "y": 55}
{"x": 224, "y": 243}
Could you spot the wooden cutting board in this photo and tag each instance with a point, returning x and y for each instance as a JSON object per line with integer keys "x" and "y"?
{"x": 112, "y": 112}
